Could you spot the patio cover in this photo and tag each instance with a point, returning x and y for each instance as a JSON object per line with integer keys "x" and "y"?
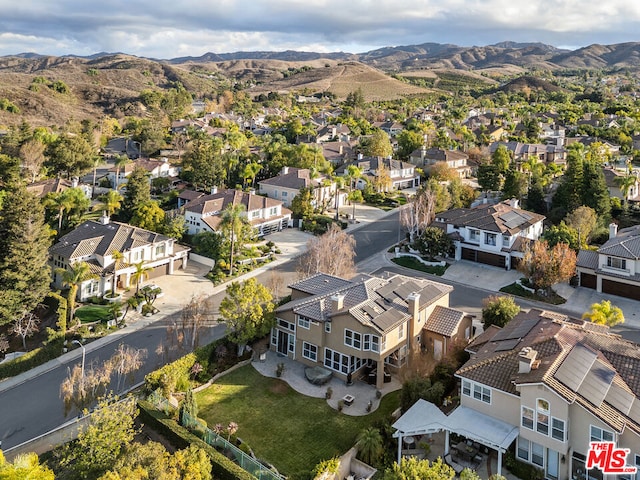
{"x": 424, "y": 417}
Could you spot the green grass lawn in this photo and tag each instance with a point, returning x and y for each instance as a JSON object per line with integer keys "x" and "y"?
{"x": 93, "y": 313}
{"x": 516, "y": 289}
{"x": 289, "y": 430}
{"x": 411, "y": 262}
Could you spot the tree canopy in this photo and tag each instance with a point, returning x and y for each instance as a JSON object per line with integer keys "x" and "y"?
{"x": 498, "y": 310}
{"x": 604, "y": 313}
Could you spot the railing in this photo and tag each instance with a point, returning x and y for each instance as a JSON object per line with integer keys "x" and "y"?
{"x": 242, "y": 459}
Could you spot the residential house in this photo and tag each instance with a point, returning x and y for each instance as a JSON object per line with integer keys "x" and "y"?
{"x": 95, "y": 242}
{"x": 367, "y": 326}
{"x": 491, "y": 234}
{"x": 266, "y": 215}
{"x": 550, "y": 383}
{"x": 402, "y": 174}
{"x": 390, "y": 127}
{"x": 611, "y": 176}
{"x": 337, "y": 153}
{"x": 287, "y": 185}
{"x": 615, "y": 267}
{"x": 155, "y": 168}
{"x": 606, "y": 147}
{"x": 523, "y": 152}
{"x": 455, "y": 159}
{"x": 56, "y": 185}
{"x": 334, "y": 132}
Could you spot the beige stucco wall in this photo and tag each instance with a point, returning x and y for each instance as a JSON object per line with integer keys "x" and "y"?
{"x": 558, "y": 408}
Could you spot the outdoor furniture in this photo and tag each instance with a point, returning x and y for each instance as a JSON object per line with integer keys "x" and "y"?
{"x": 467, "y": 452}
{"x": 453, "y": 464}
{"x": 348, "y": 399}
{"x": 317, "y": 375}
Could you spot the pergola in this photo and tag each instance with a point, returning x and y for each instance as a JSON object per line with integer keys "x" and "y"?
{"x": 426, "y": 418}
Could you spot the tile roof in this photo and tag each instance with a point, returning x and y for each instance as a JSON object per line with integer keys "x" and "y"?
{"x": 294, "y": 178}
{"x": 607, "y": 385}
{"x": 500, "y": 218}
{"x": 444, "y": 321}
{"x": 217, "y": 202}
{"x": 51, "y": 185}
{"x": 625, "y": 244}
{"x": 587, "y": 259}
{"x": 377, "y": 302}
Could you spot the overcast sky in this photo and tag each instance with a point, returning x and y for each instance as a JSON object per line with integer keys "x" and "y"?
{"x": 174, "y": 28}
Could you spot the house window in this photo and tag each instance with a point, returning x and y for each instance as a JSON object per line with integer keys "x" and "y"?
{"x": 160, "y": 250}
{"x": 537, "y": 454}
{"x": 542, "y": 416}
{"x": 466, "y": 388}
{"x": 286, "y": 325}
{"x": 490, "y": 239}
{"x": 310, "y": 351}
{"x": 383, "y": 344}
{"x": 274, "y": 336}
{"x": 327, "y": 327}
{"x": 401, "y": 331}
{"x": 527, "y": 417}
{"x": 523, "y": 449}
{"x": 292, "y": 343}
{"x": 506, "y": 239}
{"x": 352, "y": 339}
{"x": 617, "y": 263}
{"x": 371, "y": 342}
{"x": 474, "y": 236}
{"x": 482, "y": 393}
{"x": 273, "y": 211}
{"x": 284, "y": 194}
{"x": 336, "y": 361}
{"x": 557, "y": 429}
{"x": 303, "y": 322}
{"x": 600, "y": 435}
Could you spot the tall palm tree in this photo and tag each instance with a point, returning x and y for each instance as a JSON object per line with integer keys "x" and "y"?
{"x": 111, "y": 202}
{"x": 625, "y": 184}
{"x": 141, "y": 274}
{"x": 118, "y": 258}
{"x": 369, "y": 443}
{"x": 604, "y": 313}
{"x": 231, "y": 223}
{"x": 121, "y": 162}
{"x": 61, "y": 202}
{"x": 73, "y": 277}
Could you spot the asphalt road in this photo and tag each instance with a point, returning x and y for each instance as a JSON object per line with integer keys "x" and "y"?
{"x": 34, "y": 407}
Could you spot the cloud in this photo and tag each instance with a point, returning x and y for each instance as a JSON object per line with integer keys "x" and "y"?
{"x": 193, "y": 27}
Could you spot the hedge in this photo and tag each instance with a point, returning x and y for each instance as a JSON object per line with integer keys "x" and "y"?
{"x": 222, "y": 468}
{"x": 32, "y": 359}
{"x": 57, "y": 301}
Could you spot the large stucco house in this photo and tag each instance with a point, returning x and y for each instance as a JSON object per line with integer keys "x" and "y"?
{"x": 367, "y": 326}
{"x": 549, "y": 383}
{"x": 266, "y": 215}
{"x": 491, "y": 234}
{"x": 95, "y": 242}
{"x": 615, "y": 267}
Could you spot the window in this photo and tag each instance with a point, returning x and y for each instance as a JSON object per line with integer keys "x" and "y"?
{"x": 523, "y": 448}
{"x": 401, "y": 331}
{"x": 284, "y": 194}
{"x": 537, "y": 454}
{"x": 600, "y": 435}
{"x": 327, "y": 327}
{"x": 542, "y": 417}
{"x": 481, "y": 393}
{"x": 274, "y": 336}
{"x": 255, "y": 214}
{"x": 490, "y": 239}
{"x": 160, "y": 249}
{"x": 286, "y": 325}
{"x": 506, "y": 239}
{"x": 618, "y": 263}
{"x": 352, "y": 339}
{"x": 303, "y": 322}
{"x": 273, "y": 211}
{"x": 383, "y": 344}
{"x": 466, "y": 388}
{"x": 474, "y": 236}
{"x": 371, "y": 342}
{"x": 557, "y": 429}
{"x": 336, "y": 361}
{"x": 310, "y": 351}
{"x": 527, "y": 417}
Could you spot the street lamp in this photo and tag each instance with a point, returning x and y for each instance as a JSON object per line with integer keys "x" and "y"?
{"x": 83, "y": 356}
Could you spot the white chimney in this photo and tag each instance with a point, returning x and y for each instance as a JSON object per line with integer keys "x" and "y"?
{"x": 104, "y": 219}
{"x": 337, "y": 302}
{"x": 360, "y": 156}
{"x": 514, "y": 203}
{"x": 252, "y": 191}
{"x": 74, "y": 182}
{"x": 413, "y": 301}
{"x": 285, "y": 170}
{"x": 526, "y": 358}
{"x": 214, "y": 190}
{"x": 613, "y": 230}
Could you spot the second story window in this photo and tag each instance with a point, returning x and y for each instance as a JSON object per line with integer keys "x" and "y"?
{"x": 527, "y": 417}
{"x": 490, "y": 239}
{"x": 303, "y": 322}
{"x": 352, "y": 339}
{"x": 600, "y": 435}
{"x": 401, "y": 331}
{"x": 618, "y": 263}
{"x": 474, "y": 236}
{"x": 542, "y": 416}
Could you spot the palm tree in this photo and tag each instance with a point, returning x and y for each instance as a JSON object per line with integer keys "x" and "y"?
{"x": 118, "y": 258}
{"x": 604, "y": 313}
{"x": 231, "y": 222}
{"x": 111, "y": 202}
{"x": 121, "y": 162}
{"x": 369, "y": 443}
{"x": 250, "y": 171}
{"x": 232, "y": 428}
{"x": 73, "y": 277}
{"x": 61, "y": 202}
{"x": 625, "y": 184}
{"x": 141, "y": 274}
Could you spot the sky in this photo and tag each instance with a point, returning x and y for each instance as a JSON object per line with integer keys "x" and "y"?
{"x": 165, "y": 29}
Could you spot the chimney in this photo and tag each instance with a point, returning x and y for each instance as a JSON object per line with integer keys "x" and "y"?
{"x": 74, "y": 182}
{"x": 341, "y": 150}
{"x": 514, "y": 203}
{"x": 252, "y": 191}
{"x": 285, "y": 170}
{"x": 214, "y": 190}
{"x": 360, "y": 156}
{"x": 337, "y": 302}
{"x": 413, "y": 301}
{"x": 526, "y": 359}
{"x": 613, "y": 230}
{"x": 104, "y": 219}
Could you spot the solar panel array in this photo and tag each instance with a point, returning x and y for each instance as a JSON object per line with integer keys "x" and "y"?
{"x": 575, "y": 367}
{"x": 514, "y": 219}
{"x": 596, "y": 383}
{"x": 520, "y": 331}
{"x": 506, "y": 345}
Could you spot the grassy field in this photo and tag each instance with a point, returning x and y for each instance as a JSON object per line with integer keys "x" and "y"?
{"x": 93, "y": 313}
{"x": 410, "y": 262}
{"x": 283, "y": 427}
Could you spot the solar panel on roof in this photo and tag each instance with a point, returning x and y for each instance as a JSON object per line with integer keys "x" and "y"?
{"x": 387, "y": 320}
{"x": 596, "y": 383}
{"x": 634, "y": 411}
{"x": 506, "y": 345}
{"x": 619, "y": 398}
{"x": 521, "y": 330}
{"x": 575, "y": 367}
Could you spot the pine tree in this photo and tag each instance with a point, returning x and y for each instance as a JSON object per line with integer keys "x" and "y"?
{"x": 138, "y": 192}
{"x": 24, "y": 242}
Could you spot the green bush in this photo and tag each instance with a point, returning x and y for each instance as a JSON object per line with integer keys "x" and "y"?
{"x": 51, "y": 349}
{"x": 57, "y": 302}
{"x": 221, "y": 467}
{"x": 170, "y": 376}
{"x": 522, "y": 470}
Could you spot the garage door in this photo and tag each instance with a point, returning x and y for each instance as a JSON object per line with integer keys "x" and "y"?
{"x": 588, "y": 280}
{"x": 620, "y": 289}
{"x": 469, "y": 254}
{"x": 491, "y": 259}
{"x": 159, "y": 271}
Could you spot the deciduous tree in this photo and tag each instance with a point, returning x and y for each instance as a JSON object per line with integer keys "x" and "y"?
{"x": 545, "y": 266}
{"x": 25, "y": 326}
{"x": 604, "y": 313}
{"x": 583, "y": 220}
{"x": 498, "y": 310}
{"x": 332, "y": 253}
{"x": 433, "y": 242}
{"x": 377, "y": 145}
{"x": 32, "y": 155}
{"x": 419, "y": 212}
{"x": 247, "y": 309}
{"x": 25, "y": 466}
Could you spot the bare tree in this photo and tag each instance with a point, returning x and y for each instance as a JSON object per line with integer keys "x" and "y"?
{"x": 179, "y": 142}
{"x": 32, "y": 156}
{"x": 125, "y": 362}
{"x": 184, "y": 332}
{"x": 274, "y": 284}
{"x": 419, "y": 212}
{"x": 331, "y": 253}
{"x": 25, "y": 326}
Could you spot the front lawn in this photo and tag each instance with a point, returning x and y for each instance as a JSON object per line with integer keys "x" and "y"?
{"x": 93, "y": 313}
{"x": 516, "y": 289}
{"x": 289, "y": 430}
{"x": 410, "y": 262}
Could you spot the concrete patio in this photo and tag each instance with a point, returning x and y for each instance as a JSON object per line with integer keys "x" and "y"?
{"x": 293, "y": 374}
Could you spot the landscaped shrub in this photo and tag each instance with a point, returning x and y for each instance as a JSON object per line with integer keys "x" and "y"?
{"x": 522, "y": 470}
{"x": 57, "y": 302}
{"x": 171, "y": 375}
{"x": 51, "y": 349}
